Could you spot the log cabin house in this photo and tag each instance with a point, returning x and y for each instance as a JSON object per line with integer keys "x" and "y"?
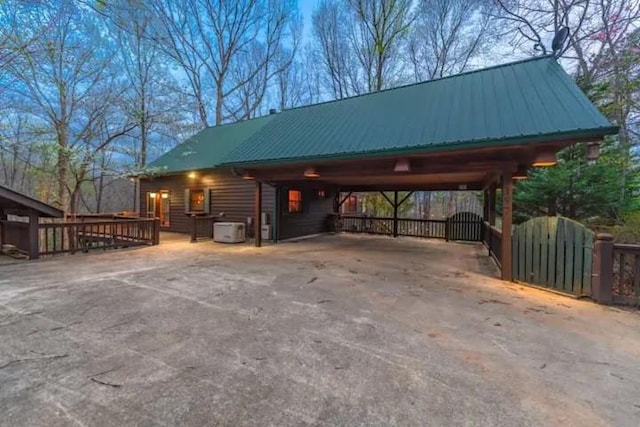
{"x": 478, "y": 130}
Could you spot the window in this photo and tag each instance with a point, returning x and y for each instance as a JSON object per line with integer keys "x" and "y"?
{"x": 196, "y": 201}
{"x": 294, "y": 202}
{"x": 350, "y": 205}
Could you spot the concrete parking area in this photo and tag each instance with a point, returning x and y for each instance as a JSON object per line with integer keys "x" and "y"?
{"x": 335, "y": 330}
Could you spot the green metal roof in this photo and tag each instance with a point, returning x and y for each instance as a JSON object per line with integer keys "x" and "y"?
{"x": 207, "y": 148}
{"x": 520, "y": 102}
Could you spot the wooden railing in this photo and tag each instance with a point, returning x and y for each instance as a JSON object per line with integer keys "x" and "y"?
{"x": 447, "y": 229}
{"x": 626, "y": 274}
{"x": 71, "y": 237}
{"x": 493, "y": 242}
{"x": 429, "y": 228}
{"x": 201, "y": 227}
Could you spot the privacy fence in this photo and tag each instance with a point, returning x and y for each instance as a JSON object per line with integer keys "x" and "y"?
{"x": 565, "y": 256}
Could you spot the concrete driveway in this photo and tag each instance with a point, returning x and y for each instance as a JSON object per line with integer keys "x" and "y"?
{"x": 337, "y": 330}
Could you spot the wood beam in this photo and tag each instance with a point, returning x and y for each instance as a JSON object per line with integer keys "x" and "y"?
{"x": 257, "y": 222}
{"x": 361, "y": 169}
{"x": 507, "y": 221}
{"x": 344, "y": 199}
{"x": 405, "y": 198}
{"x": 34, "y": 241}
{"x": 388, "y": 199}
{"x": 395, "y": 214}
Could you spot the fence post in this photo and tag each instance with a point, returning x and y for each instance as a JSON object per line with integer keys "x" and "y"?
{"x": 194, "y": 237}
{"x": 602, "y": 274}
{"x": 156, "y": 231}
{"x": 34, "y": 235}
{"x": 446, "y": 229}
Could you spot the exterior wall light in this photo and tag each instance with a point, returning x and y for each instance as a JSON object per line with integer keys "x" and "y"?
{"x": 191, "y": 175}
{"x": 545, "y": 159}
{"x": 247, "y": 176}
{"x": 520, "y": 174}
{"x": 152, "y": 195}
{"x": 402, "y": 165}
{"x": 311, "y": 173}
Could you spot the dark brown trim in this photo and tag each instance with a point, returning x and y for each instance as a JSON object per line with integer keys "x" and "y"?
{"x": 257, "y": 221}
{"x": 507, "y": 222}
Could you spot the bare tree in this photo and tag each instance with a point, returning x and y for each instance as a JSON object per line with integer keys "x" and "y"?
{"x": 210, "y": 40}
{"x": 66, "y": 84}
{"x": 447, "y": 36}
{"x": 381, "y": 27}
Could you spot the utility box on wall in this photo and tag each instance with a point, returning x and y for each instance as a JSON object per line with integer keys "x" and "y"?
{"x": 266, "y": 232}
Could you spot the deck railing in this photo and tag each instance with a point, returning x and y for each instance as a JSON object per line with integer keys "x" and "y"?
{"x": 448, "y": 229}
{"x": 201, "y": 227}
{"x": 626, "y": 274}
{"x": 493, "y": 242}
{"x": 70, "y": 237}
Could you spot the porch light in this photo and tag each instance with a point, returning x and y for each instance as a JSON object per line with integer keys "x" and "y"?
{"x": 520, "y": 174}
{"x": 191, "y": 175}
{"x": 164, "y": 195}
{"x": 247, "y": 176}
{"x": 593, "y": 151}
{"x": 545, "y": 159}
{"x": 311, "y": 173}
{"x": 152, "y": 195}
{"x": 402, "y": 165}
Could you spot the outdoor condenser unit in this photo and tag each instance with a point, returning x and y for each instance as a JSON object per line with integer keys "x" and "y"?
{"x": 228, "y": 232}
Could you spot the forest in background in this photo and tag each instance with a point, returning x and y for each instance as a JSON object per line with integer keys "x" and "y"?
{"x": 92, "y": 90}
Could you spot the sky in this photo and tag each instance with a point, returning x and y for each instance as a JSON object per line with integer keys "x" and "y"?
{"x": 306, "y": 9}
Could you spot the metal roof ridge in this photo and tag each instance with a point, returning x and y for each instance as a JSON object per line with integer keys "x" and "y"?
{"x": 424, "y": 82}
{"x": 230, "y": 123}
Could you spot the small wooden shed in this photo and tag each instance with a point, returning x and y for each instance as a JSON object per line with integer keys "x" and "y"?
{"x": 23, "y": 234}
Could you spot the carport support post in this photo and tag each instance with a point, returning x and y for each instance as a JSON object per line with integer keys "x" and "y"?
{"x": 257, "y": 221}
{"x": 395, "y": 214}
{"x": 34, "y": 241}
{"x": 507, "y": 212}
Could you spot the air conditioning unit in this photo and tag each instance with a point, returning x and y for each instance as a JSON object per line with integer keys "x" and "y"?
{"x": 266, "y": 232}
{"x": 228, "y": 232}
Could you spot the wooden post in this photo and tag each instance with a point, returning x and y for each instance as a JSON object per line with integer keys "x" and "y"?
{"x": 257, "y": 221}
{"x": 395, "y": 214}
{"x": 492, "y": 205}
{"x": 485, "y": 205}
{"x": 602, "y": 269}
{"x": 156, "y": 231}
{"x": 34, "y": 238}
{"x": 507, "y": 221}
{"x": 193, "y": 227}
{"x": 3, "y": 217}
{"x": 276, "y": 214}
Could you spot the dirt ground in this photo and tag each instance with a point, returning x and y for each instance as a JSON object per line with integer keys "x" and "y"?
{"x": 336, "y": 330}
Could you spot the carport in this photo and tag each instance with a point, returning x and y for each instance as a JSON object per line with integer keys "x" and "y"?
{"x": 474, "y": 131}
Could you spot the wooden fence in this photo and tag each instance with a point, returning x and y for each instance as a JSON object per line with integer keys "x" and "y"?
{"x": 625, "y": 287}
{"x": 70, "y": 237}
{"x": 465, "y": 226}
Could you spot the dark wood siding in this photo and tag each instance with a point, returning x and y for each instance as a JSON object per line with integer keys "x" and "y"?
{"x": 229, "y": 194}
{"x": 313, "y": 218}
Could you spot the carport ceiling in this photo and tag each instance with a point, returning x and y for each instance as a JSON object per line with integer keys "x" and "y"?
{"x": 470, "y": 169}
